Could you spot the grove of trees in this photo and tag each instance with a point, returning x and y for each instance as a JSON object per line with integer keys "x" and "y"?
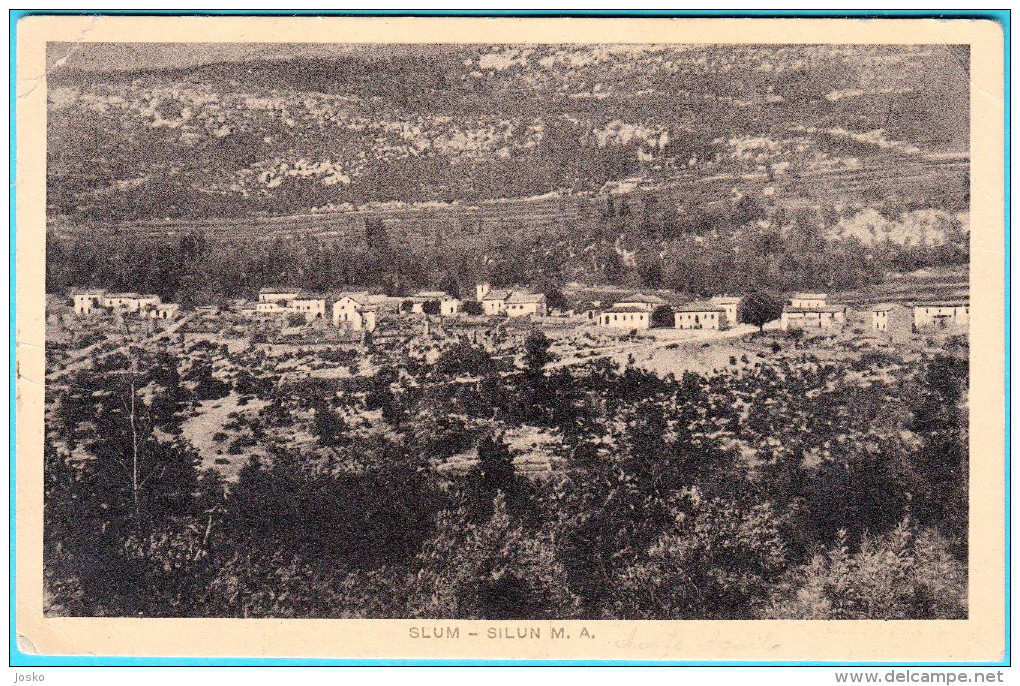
{"x": 793, "y": 489}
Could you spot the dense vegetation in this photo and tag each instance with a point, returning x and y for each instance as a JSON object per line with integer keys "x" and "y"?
{"x": 756, "y": 247}
{"x": 795, "y": 488}
{"x": 464, "y": 122}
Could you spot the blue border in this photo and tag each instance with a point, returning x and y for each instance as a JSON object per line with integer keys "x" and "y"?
{"x": 20, "y": 659}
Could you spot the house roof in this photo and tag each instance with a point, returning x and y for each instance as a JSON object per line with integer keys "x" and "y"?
{"x": 944, "y": 303}
{"x": 642, "y": 298}
{"x": 726, "y": 299}
{"x": 280, "y": 289}
{"x": 430, "y": 294}
{"x": 121, "y": 295}
{"x": 497, "y": 295}
{"x": 828, "y": 308}
{"x": 884, "y": 307}
{"x": 698, "y": 307}
{"x": 526, "y": 298}
{"x": 88, "y": 291}
{"x": 810, "y": 296}
{"x": 627, "y": 308}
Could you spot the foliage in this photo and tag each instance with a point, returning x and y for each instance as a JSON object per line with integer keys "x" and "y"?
{"x": 759, "y": 309}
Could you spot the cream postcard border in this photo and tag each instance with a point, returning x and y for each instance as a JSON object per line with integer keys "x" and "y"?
{"x": 979, "y": 638}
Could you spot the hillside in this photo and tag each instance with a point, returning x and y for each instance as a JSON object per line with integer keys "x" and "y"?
{"x": 470, "y": 123}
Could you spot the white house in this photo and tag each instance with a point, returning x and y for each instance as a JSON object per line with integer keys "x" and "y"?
{"x": 280, "y": 294}
{"x": 523, "y": 304}
{"x": 494, "y": 301}
{"x": 823, "y": 317}
{"x": 648, "y": 303}
{"x": 626, "y": 317}
{"x": 729, "y": 304}
{"x": 312, "y": 306}
{"x": 419, "y": 299}
{"x": 164, "y": 311}
{"x": 129, "y": 302}
{"x": 360, "y": 310}
{"x": 807, "y": 301}
{"x": 942, "y": 315}
{"x": 481, "y": 290}
{"x": 699, "y": 316}
{"x": 450, "y": 307}
{"x": 271, "y": 307}
{"x": 87, "y": 300}
{"x": 880, "y": 315}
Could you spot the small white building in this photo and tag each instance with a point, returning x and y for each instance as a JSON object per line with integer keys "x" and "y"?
{"x": 648, "y": 303}
{"x": 278, "y": 294}
{"x": 880, "y": 315}
{"x": 87, "y": 300}
{"x": 812, "y": 317}
{"x": 271, "y": 307}
{"x": 808, "y": 301}
{"x": 311, "y": 305}
{"x": 421, "y": 298}
{"x": 129, "y": 302}
{"x": 729, "y": 304}
{"x": 626, "y": 317}
{"x": 450, "y": 307}
{"x": 164, "y": 311}
{"x": 523, "y": 304}
{"x": 359, "y": 311}
{"x": 942, "y": 315}
{"x": 494, "y": 301}
{"x": 699, "y": 316}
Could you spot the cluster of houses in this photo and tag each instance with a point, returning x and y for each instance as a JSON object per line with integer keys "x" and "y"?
{"x": 360, "y": 310}
{"x": 812, "y": 311}
{"x": 88, "y": 301}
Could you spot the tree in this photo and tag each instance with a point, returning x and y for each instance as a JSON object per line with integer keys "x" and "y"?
{"x": 495, "y": 465}
{"x": 491, "y": 570}
{"x": 473, "y": 307}
{"x": 905, "y": 574}
{"x": 759, "y": 309}
{"x": 536, "y": 352}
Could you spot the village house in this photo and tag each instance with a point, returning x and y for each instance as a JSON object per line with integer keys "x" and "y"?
{"x": 699, "y": 316}
{"x": 276, "y": 299}
{"x": 626, "y": 317}
{"x": 494, "y": 301}
{"x": 812, "y": 317}
{"x": 524, "y": 304}
{"x": 360, "y": 310}
{"x": 942, "y": 315}
{"x": 129, "y": 302}
{"x": 450, "y": 306}
{"x": 278, "y": 294}
{"x": 648, "y": 303}
{"x": 312, "y": 306}
{"x": 421, "y": 299}
{"x": 808, "y": 301}
{"x": 87, "y": 300}
{"x": 729, "y": 304}
{"x": 164, "y": 311}
{"x": 893, "y": 320}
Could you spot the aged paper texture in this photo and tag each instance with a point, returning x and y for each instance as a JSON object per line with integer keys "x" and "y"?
{"x": 516, "y": 338}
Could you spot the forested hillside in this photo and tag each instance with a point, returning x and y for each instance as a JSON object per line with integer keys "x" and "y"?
{"x": 645, "y": 165}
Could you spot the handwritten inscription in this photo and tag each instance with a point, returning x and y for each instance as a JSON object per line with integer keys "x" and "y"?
{"x": 504, "y": 633}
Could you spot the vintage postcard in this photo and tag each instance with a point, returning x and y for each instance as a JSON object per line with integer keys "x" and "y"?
{"x": 517, "y": 338}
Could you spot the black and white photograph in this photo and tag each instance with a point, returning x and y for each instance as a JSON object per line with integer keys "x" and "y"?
{"x": 515, "y": 331}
